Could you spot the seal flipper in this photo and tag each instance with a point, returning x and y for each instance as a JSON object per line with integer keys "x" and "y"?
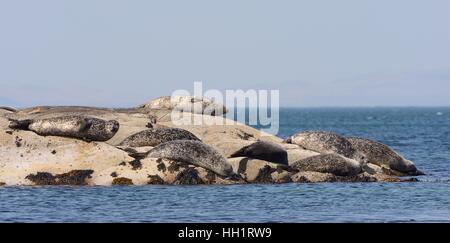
{"x": 240, "y": 153}
{"x": 234, "y": 177}
{"x": 137, "y": 155}
{"x": 417, "y": 173}
{"x": 86, "y": 139}
{"x": 133, "y": 152}
{"x": 20, "y": 124}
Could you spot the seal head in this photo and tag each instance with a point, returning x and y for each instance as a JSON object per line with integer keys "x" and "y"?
{"x": 381, "y": 154}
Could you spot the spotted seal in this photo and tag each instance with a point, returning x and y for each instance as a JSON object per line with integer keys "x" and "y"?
{"x": 193, "y": 104}
{"x": 193, "y": 152}
{"x": 329, "y": 163}
{"x": 380, "y": 154}
{"x": 155, "y": 136}
{"x": 263, "y": 150}
{"x": 82, "y": 127}
{"x": 325, "y": 142}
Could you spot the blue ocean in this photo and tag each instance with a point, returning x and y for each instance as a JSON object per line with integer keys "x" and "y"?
{"x": 420, "y": 134}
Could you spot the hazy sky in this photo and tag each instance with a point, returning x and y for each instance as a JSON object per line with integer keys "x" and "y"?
{"x": 317, "y": 53}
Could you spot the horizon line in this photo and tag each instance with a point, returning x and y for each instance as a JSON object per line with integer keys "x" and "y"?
{"x": 253, "y": 107}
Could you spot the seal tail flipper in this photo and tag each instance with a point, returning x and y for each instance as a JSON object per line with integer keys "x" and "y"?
{"x": 235, "y": 177}
{"x": 20, "y": 124}
{"x": 419, "y": 173}
{"x": 133, "y": 153}
{"x": 240, "y": 153}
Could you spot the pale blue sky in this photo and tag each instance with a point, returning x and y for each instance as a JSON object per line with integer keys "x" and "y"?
{"x": 318, "y": 53}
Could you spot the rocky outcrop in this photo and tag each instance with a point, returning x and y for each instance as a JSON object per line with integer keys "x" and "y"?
{"x": 24, "y": 153}
{"x": 27, "y": 158}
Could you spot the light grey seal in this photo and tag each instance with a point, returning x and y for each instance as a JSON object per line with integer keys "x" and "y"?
{"x": 329, "y": 163}
{"x": 193, "y": 152}
{"x": 192, "y": 104}
{"x": 380, "y": 154}
{"x": 82, "y": 127}
{"x": 325, "y": 142}
{"x": 155, "y": 136}
{"x": 265, "y": 151}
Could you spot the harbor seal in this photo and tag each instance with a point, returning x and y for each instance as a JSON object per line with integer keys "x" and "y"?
{"x": 192, "y": 104}
{"x": 195, "y": 153}
{"x": 82, "y": 127}
{"x": 329, "y": 163}
{"x": 267, "y": 151}
{"x": 325, "y": 142}
{"x": 155, "y": 136}
{"x": 380, "y": 154}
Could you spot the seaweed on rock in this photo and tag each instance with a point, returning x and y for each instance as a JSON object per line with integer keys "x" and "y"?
{"x": 122, "y": 181}
{"x": 188, "y": 176}
{"x": 155, "y": 180}
{"x": 74, "y": 177}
